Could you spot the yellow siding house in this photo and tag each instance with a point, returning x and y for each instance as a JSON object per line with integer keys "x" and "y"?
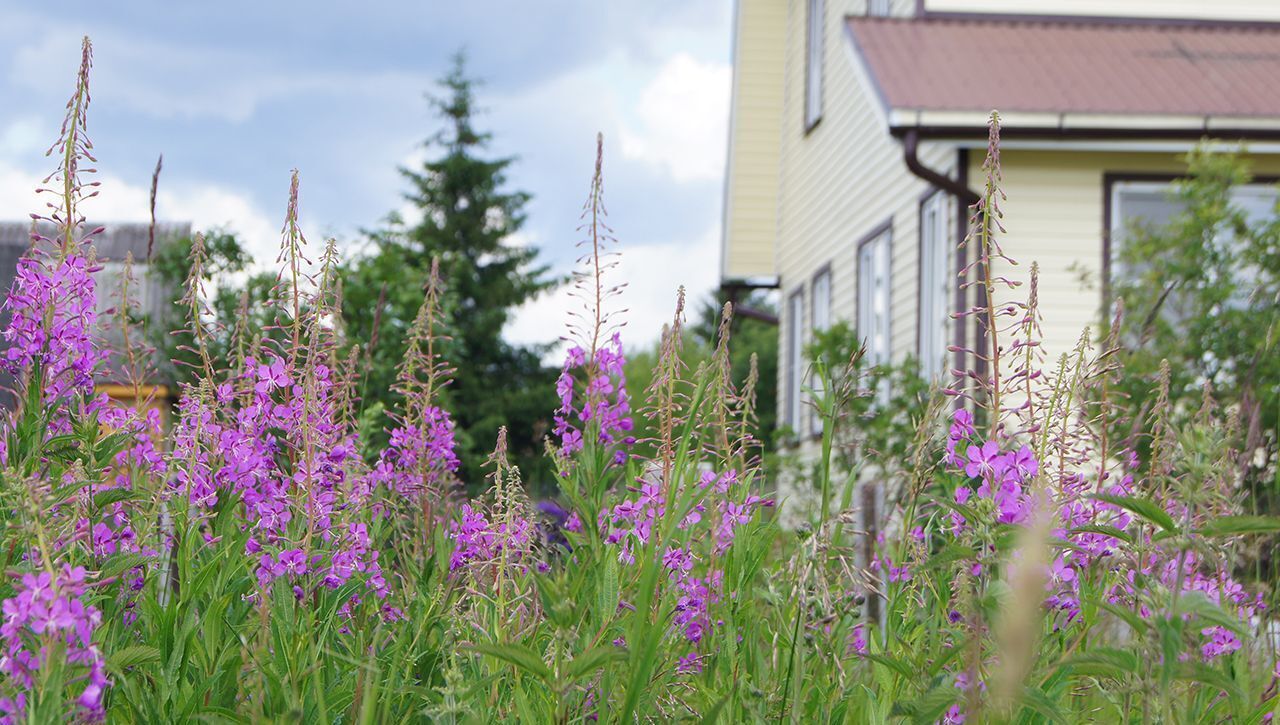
{"x": 859, "y": 129}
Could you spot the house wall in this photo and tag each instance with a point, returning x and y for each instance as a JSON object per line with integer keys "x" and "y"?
{"x": 1053, "y": 215}
{"x": 842, "y": 180}
{"x": 1267, "y": 10}
{"x": 839, "y": 181}
{"x": 751, "y": 186}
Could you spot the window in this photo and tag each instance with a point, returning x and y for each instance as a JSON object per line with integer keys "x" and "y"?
{"x": 794, "y": 360}
{"x": 878, "y": 7}
{"x": 820, "y": 320}
{"x": 813, "y": 65}
{"x": 1152, "y": 204}
{"x": 873, "y": 297}
{"x": 822, "y": 299}
{"x": 934, "y": 286}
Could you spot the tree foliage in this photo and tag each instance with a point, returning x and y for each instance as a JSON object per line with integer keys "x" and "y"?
{"x": 1203, "y": 293}
{"x": 467, "y": 219}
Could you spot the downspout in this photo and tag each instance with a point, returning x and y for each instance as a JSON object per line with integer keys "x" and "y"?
{"x": 732, "y": 291}
{"x": 965, "y": 198}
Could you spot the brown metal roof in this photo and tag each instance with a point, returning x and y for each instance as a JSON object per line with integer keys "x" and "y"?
{"x": 1151, "y": 68}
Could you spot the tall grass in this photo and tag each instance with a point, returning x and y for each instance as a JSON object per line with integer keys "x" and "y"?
{"x": 256, "y": 562}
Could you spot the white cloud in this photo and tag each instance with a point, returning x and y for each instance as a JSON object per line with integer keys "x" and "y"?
{"x": 25, "y": 135}
{"x": 126, "y": 72}
{"x": 653, "y": 274}
{"x": 683, "y": 119}
{"x": 204, "y": 205}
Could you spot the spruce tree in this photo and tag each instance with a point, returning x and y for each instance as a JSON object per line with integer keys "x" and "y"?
{"x": 468, "y": 217}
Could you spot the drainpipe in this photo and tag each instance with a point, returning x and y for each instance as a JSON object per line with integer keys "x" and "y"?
{"x": 733, "y": 289}
{"x": 965, "y": 198}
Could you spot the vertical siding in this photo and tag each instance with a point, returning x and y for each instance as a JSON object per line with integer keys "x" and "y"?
{"x": 751, "y": 183}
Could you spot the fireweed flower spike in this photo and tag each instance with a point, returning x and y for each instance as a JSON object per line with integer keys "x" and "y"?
{"x": 592, "y": 387}
{"x": 256, "y": 558}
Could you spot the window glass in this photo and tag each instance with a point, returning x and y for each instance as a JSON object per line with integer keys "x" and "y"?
{"x": 1148, "y": 205}
{"x": 794, "y": 359}
{"x": 813, "y": 64}
{"x": 821, "y": 320}
{"x": 873, "y": 298}
{"x": 935, "y": 286}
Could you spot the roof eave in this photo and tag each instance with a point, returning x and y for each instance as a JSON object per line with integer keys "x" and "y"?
{"x": 961, "y": 125}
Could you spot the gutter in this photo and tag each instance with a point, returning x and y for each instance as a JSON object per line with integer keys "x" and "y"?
{"x": 965, "y": 199}
{"x": 910, "y": 147}
{"x": 1020, "y": 129}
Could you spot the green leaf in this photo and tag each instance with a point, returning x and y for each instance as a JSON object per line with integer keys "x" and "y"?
{"x": 109, "y": 496}
{"x": 1105, "y": 531}
{"x": 1196, "y": 603}
{"x": 968, "y": 512}
{"x": 1145, "y": 508}
{"x": 138, "y": 654}
{"x": 1137, "y": 623}
{"x": 713, "y": 715}
{"x": 520, "y": 656}
{"x": 120, "y": 563}
{"x": 593, "y": 659}
{"x": 1192, "y": 671}
{"x": 893, "y": 664}
{"x": 1103, "y": 662}
{"x": 1240, "y": 525}
{"x": 928, "y": 708}
{"x": 1038, "y": 701}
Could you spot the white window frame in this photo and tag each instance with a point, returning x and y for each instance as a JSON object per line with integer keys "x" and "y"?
{"x": 819, "y": 320}
{"x": 793, "y": 394}
{"x": 815, "y": 27}
{"x": 879, "y": 8}
{"x": 935, "y": 287}
{"x": 875, "y": 297}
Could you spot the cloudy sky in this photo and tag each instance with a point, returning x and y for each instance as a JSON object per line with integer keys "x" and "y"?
{"x": 235, "y": 94}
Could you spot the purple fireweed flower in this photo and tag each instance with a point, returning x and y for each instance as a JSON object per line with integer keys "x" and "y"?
{"x": 293, "y": 562}
{"x": 477, "y": 539}
{"x": 689, "y": 664}
{"x": 859, "y": 638}
{"x": 605, "y": 404}
{"x": 982, "y": 460}
{"x": 418, "y": 458}
{"x": 52, "y": 308}
{"x": 271, "y": 375}
{"x": 1221, "y": 641}
{"x": 51, "y": 606}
